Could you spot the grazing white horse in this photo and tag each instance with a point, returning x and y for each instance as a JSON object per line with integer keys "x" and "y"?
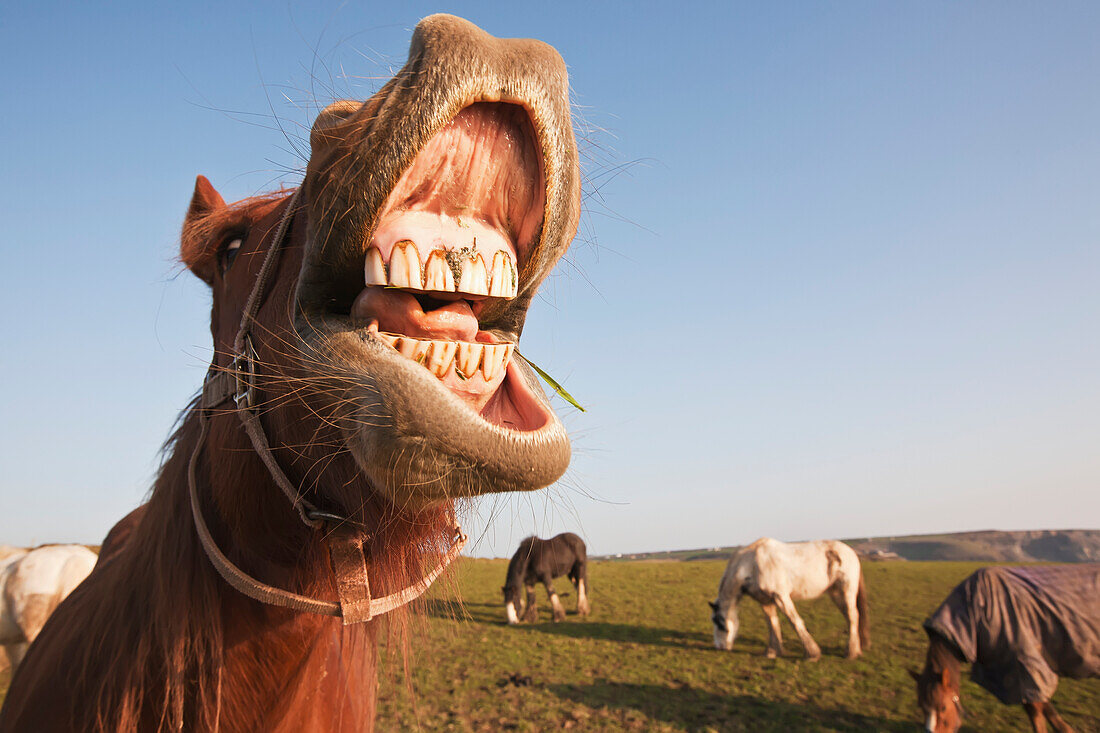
{"x": 776, "y": 574}
{"x": 32, "y": 584}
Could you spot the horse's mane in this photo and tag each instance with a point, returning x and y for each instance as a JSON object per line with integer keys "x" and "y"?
{"x": 180, "y": 640}
{"x": 942, "y": 655}
{"x": 172, "y": 655}
{"x": 161, "y": 667}
{"x": 518, "y": 564}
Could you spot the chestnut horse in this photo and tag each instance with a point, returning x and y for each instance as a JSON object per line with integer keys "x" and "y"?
{"x": 1020, "y": 628}
{"x": 362, "y": 379}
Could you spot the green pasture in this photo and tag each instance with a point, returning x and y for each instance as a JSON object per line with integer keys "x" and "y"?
{"x": 644, "y": 661}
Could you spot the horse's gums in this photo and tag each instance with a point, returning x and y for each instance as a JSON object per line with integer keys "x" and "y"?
{"x": 155, "y": 640}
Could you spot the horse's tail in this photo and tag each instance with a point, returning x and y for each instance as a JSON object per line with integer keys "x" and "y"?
{"x": 861, "y": 608}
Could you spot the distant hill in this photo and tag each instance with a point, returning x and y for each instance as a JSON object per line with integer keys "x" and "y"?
{"x": 1042, "y": 545}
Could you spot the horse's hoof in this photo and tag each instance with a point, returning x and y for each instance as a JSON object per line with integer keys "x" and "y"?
{"x": 813, "y": 657}
{"x": 771, "y": 654}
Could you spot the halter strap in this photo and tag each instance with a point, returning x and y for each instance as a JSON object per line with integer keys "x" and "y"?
{"x": 349, "y": 564}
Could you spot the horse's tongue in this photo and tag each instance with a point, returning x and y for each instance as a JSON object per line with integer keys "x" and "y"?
{"x": 400, "y": 312}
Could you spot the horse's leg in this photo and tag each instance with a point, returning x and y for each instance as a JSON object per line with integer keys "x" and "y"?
{"x": 845, "y": 600}
{"x": 555, "y": 602}
{"x": 581, "y": 572}
{"x": 1035, "y": 715}
{"x": 775, "y": 634}
{"x": 1055, "y": 719}
{"x": 530, "y": 612}
{"x": 786, "y": 605}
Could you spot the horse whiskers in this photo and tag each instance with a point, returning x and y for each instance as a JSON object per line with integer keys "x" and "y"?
{"x": 175, "y": 647}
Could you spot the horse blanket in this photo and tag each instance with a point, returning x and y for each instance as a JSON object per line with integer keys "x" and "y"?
{"x": 1023, "y": 628}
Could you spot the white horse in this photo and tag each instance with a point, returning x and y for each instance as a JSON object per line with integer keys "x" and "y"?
{"x": 776, "y": 574}
{"x": 32, "y": 584}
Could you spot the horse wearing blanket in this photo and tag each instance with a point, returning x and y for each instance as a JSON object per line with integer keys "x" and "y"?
{"x": 540, "y": 561}
{"x": 1020, "y": 629}
{"x": 776, "y": 574}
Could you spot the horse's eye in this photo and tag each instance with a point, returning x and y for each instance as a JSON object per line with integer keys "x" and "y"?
{"x": 229, "y": 252}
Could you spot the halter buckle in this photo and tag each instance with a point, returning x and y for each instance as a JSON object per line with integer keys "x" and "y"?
{"x": 244, "y": 372}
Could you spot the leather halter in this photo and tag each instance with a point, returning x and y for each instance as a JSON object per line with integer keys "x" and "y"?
{"x": 237, "y": 384}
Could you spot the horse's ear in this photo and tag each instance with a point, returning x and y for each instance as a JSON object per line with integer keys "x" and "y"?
{"x": 331, "y": 116}
{"x": 914, "y": 674}
{"x": 196, "y": 251}
{"x": 205, "y": 199}
{"x": 713, "y": 605}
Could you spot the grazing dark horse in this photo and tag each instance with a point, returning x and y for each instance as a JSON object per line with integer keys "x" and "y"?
{"x": 1020, "y": 629}
{"x": 540, "y": 561}
{"x": 363, "y": 328}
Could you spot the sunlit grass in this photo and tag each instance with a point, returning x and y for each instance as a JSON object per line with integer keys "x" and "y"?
{"x": 644, "y": 660}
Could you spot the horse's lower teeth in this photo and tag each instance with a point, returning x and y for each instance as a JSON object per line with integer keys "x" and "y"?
{"x": 464, "y": 358}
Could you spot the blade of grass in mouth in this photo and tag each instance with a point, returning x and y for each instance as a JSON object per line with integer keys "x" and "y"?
{"x": 552, "y": 382}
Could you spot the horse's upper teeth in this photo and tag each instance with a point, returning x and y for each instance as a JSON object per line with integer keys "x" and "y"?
{"x": 438, "y": 275}
{"x": 473, "y": 279}
{"x": 375, "y": 268}
{"x": 440, "y": 357}
{"x": 503, "y": 284}
{"x": 405, "y": 266}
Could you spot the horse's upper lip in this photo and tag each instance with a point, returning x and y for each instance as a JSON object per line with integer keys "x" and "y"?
{"x": 449, "y": 244}
{"x": 465, "y": 214}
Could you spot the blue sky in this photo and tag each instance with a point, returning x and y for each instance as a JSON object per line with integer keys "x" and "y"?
{"x": 837, "y": 274}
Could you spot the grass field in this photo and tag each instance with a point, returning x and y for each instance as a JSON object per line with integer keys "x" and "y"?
{"x": 644, "y": 660}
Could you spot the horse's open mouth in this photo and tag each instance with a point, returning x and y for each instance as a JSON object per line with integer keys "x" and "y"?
{"x": 450, "y": 243}
{"x": 434, "y": 211}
